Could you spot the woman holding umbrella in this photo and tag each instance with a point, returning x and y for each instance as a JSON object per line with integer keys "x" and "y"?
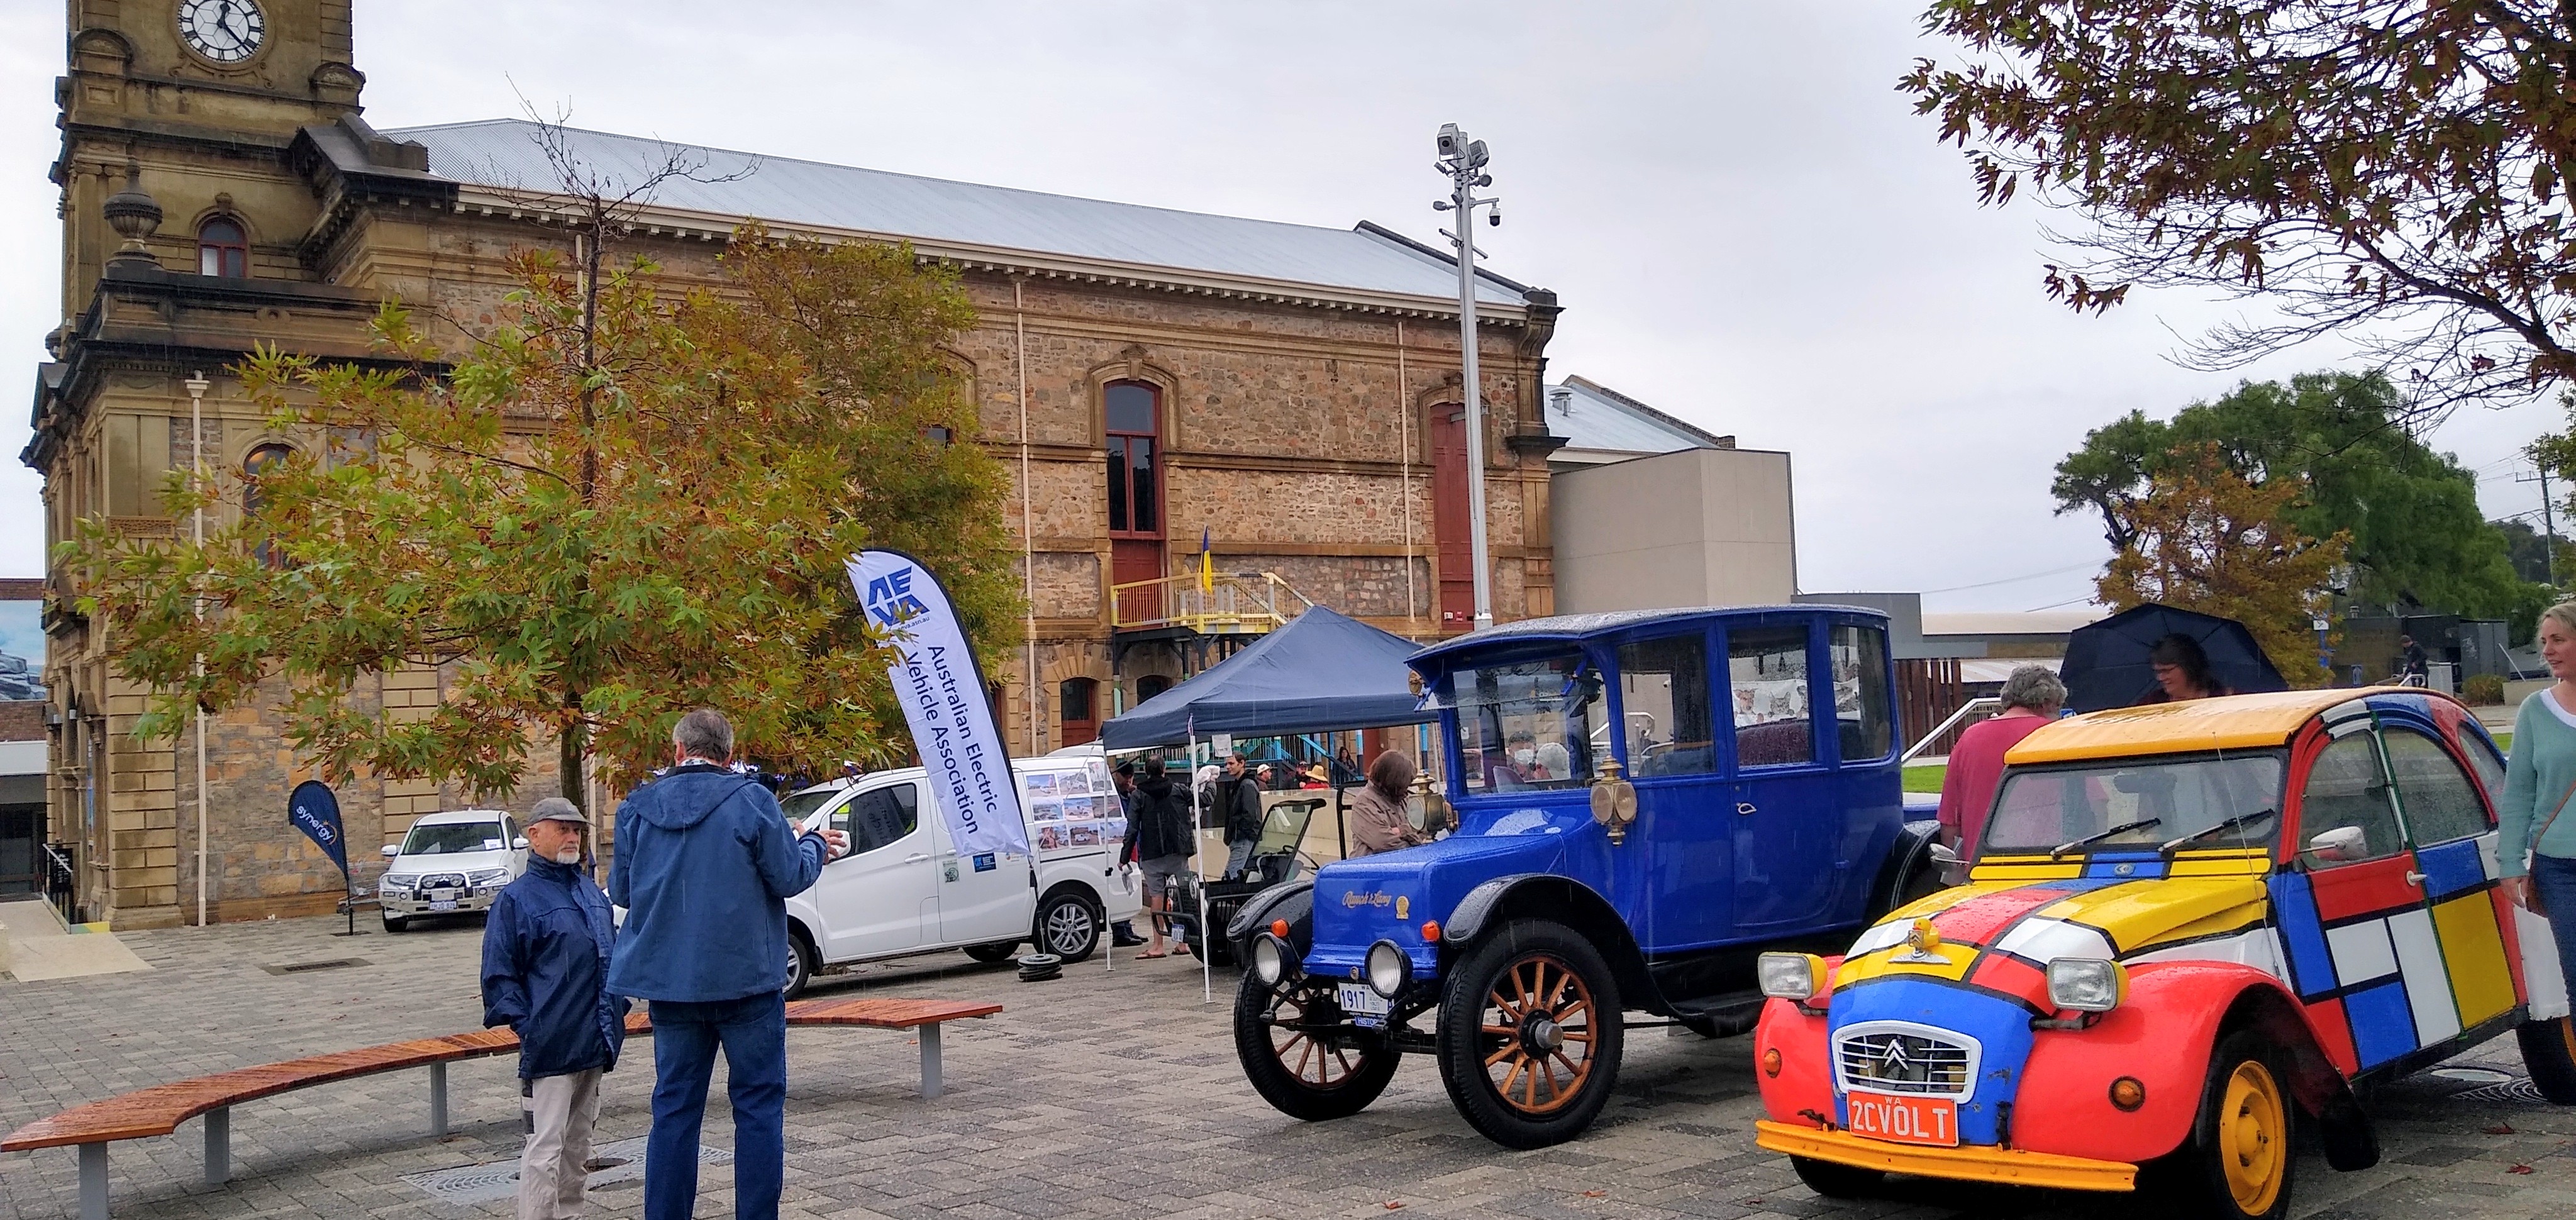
{"x": 2182, "y": 671}
{"x": 2539, "y": 780}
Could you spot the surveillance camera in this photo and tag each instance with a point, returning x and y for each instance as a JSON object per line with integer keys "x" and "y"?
{"x": 1495, "y": 218}
{"x": 1476, "y": 153}
{"x": 1452, "y": 142}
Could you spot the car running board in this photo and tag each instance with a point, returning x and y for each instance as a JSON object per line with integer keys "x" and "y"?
{"x": 1723, "y": 1015}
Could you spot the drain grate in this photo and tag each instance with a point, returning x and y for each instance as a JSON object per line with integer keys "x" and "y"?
{"x": 308, "y": 967}
{"x": 2516, "y": 1091}
{"x": 493, "y": 1182}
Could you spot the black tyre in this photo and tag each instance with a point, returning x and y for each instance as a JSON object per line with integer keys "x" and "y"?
{"x": 800, "y": 962}
{"x": 1307, "y": 1073}
{"x": 1922, "y": 883}
{"x": 2238, "y": 1162}
{"x": 1068, "y": 926}
{"x": 397, "y": 923}
{"x": 1837, "y": 1181}
{"x": 2549, "y": 1054}
{"x": 1530, "y": 1034}
{"x": 998, "y": 951}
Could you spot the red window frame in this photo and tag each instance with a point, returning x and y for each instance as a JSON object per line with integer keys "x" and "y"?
{"x": 1129, "y": 497}
{"x": 223, "y": 248}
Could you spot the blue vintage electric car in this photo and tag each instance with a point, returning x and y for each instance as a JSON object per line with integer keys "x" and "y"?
{"x": 1646, "y": 801}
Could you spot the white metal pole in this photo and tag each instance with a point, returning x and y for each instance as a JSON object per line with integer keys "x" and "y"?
{"x": 197, "y": 386}
{"x": 1475, "y": 402}
{"x": 1198, "y": 866}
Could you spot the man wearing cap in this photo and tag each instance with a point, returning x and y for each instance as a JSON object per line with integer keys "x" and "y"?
{"x": 546, "y": 947}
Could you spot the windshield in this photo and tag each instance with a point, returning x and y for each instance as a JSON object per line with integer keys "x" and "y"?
{"x": 803, "y": 804}
{"x": 445, "y": 838}
{"x": 1528, "y": 724}
{"x": 2176, "y": 799}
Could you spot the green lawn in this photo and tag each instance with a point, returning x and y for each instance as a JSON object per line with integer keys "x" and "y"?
{"x": 1925, "y": 777}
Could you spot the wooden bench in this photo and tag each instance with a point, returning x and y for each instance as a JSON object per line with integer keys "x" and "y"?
{"x": 159, "y": 1110}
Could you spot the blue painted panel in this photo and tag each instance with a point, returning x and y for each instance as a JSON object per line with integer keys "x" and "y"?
{"x": 2294, "y": 911}
{"x": 2001, "y": 1028}
{"x": 2127, "y": 866}
{"x": 2450, "y": 868}
{"x": 2383, "y": 1026}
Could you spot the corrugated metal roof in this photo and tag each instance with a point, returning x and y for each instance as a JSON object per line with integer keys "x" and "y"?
{"x": 1592, "y": 416}
{"x": 503, "y": 154}
{"x": 2032, "y": 622}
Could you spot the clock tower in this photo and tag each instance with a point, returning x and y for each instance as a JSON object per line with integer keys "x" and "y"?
{"x": 204, "y": 144}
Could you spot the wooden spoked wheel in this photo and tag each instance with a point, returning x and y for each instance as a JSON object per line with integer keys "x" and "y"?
{"x": 1310, "y": 1061}
{"x": 1539, "y": 1024}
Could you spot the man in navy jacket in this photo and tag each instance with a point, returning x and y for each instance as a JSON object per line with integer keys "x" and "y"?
{"x": 546, "y": 947}
{"x": 705, "y": 863}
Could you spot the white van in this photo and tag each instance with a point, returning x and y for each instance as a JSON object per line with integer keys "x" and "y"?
{"x": 904, "y": 888}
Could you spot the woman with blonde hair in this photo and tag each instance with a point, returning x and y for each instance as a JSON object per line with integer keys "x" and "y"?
{"x": 2539, "y": 781}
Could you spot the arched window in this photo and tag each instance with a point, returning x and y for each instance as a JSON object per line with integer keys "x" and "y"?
{"x": 1081, "y": 708}
{"x": 1132, "y": 415}
{"x": 261, "y": 461}
{"x": 1151, "y": 685}
{"x": 222, "y": 249}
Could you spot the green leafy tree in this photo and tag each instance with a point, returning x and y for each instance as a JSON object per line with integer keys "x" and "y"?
{"x": 2395, "y": 170}
{"x": 617, "y": 505}
{"x": 2205, "y": 538}
{"x": 2411, "y": 514}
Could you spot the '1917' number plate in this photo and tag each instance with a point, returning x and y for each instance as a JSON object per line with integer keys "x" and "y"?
{"x": 1904, "y": 1120}
{"x": 1363, "y": 1004}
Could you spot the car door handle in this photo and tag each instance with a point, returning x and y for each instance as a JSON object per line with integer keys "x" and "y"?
{"x": 2415, "y": 879}
{"x": 915, "y": 858}
{"x": 1745, "y": 807}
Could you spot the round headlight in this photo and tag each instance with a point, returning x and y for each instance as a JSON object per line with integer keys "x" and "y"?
{"x": 1388, "y": 968}
{"x": 1268, "y": 963}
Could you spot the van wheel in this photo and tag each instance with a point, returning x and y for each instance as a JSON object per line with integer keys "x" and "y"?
{"x": 2549, "y": 1054}
{"x": 1307, "y": 1072}
{"x": 2238, "y": 1163}
{"x": 998, "y": 951}
{"x": 800, "y": 962}
{"x": 1068, "y": 927}
{"x": 1837, "y": 1181}
{"x": 1530, "y": 1035}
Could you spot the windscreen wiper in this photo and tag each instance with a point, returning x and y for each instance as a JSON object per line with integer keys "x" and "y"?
{"x": 2088, "y": 840}
{"x": 2242, "y": 819}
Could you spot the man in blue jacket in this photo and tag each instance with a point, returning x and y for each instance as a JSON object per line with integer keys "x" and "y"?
{"x": 546, "y": 947}
{"x": 705, "y": 863}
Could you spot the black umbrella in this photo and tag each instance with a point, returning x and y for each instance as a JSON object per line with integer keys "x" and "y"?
{"x": 2106, "y": 663}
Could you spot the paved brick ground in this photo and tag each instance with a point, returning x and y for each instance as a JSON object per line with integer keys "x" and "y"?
{"x": 1103, "y": 1094}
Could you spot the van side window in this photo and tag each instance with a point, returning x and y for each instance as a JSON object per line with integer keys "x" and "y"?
{"x": 877, "y": 819}
{"x": 2346, "y": 790}
{"x": 1663, "y": 694}
{"x": 1766, "y": 674}
{"x": 2440, "y": 803}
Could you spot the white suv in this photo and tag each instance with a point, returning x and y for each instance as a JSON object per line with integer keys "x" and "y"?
{"x": 450, "y": 863}
{"x": 905, "y": 889}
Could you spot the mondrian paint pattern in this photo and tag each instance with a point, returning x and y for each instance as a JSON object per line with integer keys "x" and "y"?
{"x": 2386, "y": 968}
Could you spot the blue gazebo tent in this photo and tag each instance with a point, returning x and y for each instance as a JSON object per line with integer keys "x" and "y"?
{"x": 1323, "y": 672}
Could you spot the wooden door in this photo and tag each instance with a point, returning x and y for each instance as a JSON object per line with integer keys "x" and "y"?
{"x": 1131, "y": 560}
{"x": 1449, "y": 516}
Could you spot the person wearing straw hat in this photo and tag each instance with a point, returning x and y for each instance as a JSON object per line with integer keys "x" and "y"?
{"x": 546, "y": 948}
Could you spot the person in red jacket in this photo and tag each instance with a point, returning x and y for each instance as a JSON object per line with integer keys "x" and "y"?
{"x": 2032, "y": 697}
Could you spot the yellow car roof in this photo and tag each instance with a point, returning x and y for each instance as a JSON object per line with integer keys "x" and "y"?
{"x": 2232, "y": 722}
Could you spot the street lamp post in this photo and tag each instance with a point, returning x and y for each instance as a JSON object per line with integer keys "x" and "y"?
{"x": 197, "y": 385}
{"x": 1464, "y": 161}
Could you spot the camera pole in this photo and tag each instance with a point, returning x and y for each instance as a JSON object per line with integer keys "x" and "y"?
{"x": 1464, "y": 161}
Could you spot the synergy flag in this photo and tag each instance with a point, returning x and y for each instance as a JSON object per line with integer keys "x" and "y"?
{"x": 312, "y": 809}
{"x": 943, "y": 699}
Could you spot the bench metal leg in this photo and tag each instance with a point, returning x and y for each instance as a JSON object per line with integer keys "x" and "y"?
{"x": 437, "y": 1099}
{"x": 930, "y": 1061}
{"x": 219, "y": 1145}
{"x": 93, "y": 1182}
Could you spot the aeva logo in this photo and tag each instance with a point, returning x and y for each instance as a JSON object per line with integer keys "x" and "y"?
{"x": 891, "y": 600}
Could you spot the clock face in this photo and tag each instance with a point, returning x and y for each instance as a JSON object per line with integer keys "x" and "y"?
{"x": 225, "y": 31}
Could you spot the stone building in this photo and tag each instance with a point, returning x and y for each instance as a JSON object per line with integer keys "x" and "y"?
{"x": 1152, "y": 378}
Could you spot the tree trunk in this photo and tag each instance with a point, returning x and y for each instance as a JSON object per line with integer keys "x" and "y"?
{"x": 572, "y": 751}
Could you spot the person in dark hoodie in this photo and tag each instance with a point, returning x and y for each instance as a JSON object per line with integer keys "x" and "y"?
{"x": 546, "y": 948}
{"x": 1158, "y": 841}
{"x": 705, "y": 863}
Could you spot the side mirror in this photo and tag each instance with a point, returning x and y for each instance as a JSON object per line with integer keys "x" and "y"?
{"x": 391, "y": 851}
{"x": 2340, "y": 843}
{"x": 1944, "y": 854}
{"x": 520, "y": 843}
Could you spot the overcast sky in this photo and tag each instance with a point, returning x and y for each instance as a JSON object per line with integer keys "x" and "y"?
{"x": 1747, "y": 225}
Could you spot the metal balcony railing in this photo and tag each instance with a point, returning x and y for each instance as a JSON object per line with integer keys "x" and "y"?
{"x": 62, "y": 884}
{"x": 1234, "y": 603}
